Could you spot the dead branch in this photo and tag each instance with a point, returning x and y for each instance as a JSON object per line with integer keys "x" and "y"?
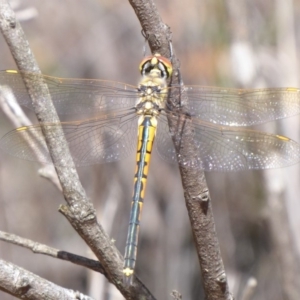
{"x": 39, "y": 248}
{"x": 196, "y": 194}
{"x": 26, "y": 285}
{"x": 79, "y": 211}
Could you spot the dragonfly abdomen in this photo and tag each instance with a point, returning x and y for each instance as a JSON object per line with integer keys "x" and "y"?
{"x": 146, "y": 135}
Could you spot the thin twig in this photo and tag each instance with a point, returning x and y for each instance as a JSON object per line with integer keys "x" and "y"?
{"x": 196, "y": 192}
{"x": 15, "y": 114}
{"x": 39, "y": 248}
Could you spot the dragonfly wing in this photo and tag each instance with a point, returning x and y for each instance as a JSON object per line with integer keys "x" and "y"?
{"x": 237, "y": 107}
{"x": 223, "y": 148}
{"x": 165, "y": 145}
{"x": 163, "y": 141}
{"x": 71, "y": 96}
{"x": 98, "y": 140}
{"x": 235, "y": 149}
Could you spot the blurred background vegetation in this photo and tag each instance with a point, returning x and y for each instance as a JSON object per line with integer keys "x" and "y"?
{"x": 102, "y": 39}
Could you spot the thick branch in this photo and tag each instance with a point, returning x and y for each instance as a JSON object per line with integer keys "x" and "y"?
{"x": 156, "y": 32}
{"x": 83, "y": 214}
{"x": 194, "y": 183}
{"x": 26, "y": 285}
{"x": 138, "y": 290}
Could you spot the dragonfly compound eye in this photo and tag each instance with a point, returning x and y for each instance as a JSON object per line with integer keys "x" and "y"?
{"x": 157, "y": 62}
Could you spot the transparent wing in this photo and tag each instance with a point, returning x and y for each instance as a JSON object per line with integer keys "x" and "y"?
{"x": 227, "y": 149}
{"x": 229, "y": 107}
{"x": 98, "y": 140}
{"x": 74, "y": 96}
{"x": 236, "y": 107}
{"x": 163, "y": 141}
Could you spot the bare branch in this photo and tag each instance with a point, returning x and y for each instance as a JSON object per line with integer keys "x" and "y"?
{"x": 15, "y": 114}
{"x": 44, "y": 109}
{"x": 26, "y": 285}
{"x": 83, "y": 217}
{"x": 196, "y": 194}
{"x": 137, "y": 290}
{"x": 36, "y": 247}
{"x": 156, "y": 32}
{"x": 80, "y": 212}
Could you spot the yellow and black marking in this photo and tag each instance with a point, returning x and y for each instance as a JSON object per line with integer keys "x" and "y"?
{"x": 146, "y": 135}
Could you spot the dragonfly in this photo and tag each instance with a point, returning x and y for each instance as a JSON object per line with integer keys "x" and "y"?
{"x": 113, "y": 114}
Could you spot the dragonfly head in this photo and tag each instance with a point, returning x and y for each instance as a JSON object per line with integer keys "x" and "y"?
{"x": 156, "y": 64}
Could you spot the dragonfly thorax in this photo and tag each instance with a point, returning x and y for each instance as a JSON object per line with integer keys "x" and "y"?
{"x": 153, "y": 86}
{"x": 153, "y": 91}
